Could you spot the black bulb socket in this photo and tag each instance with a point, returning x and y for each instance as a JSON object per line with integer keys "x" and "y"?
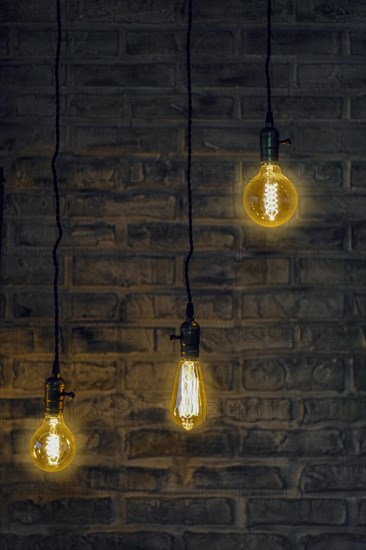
{"x": 269, "y": 139}
{"x": 189, "y": 336}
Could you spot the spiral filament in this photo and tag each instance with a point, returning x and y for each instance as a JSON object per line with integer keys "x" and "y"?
{"x": 270, "y": 200}
{"x": 53, "y": 444}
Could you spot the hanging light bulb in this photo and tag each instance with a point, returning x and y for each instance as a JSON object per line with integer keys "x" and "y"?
{"x": 270, "y": 199}
{"x": 53, "y": 447}
{"x": 188, "y": 406}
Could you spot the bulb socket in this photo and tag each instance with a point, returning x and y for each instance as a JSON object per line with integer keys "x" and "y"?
{"x": 54, "y": 395}
{"x": 190, "y": 340}
{"x": 269, "y": 138}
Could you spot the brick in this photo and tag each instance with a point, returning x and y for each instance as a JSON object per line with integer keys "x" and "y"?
{"x": 75, "y": 44}
{"x": 95, "y": 306}
{"x": 124, "y": 479}
{"x": 293, "y": 42}
{"x": 87, "y": 173}
{"x": 299, "y": 372}
{"x": 346, "y": 410}
{"x": 76, "y": 511}
{"x": 111, "y": 140}
{"x": 358, "y": 236}
{"x": 338, "y": 541}
{"x": 294, "y": 443}
{"x": 98, "y": 442}
{"x": 359, "y": 441}
{"x": 326, "y": 76}
{"x": 86, "y": 375}
{"x": 260, "y": 412}
{"x": 88, "y": 104}
{"x": 358, "y": 108}
{"x": 333, "y": 478}
{"x": 4, "y": 43}
{"x": 127, "y": 75}
{"x": 36, "y": 139}
{"x": 17, "y": 10}
{"x": 168, "y": 443}
{"x": 122, "y": 270}
{"x": 17, "y": 76}
{"x": 147, "y": 306}
{"x": 152, "y": 43}
{"x": 233, "y": 11}
{"x": 305, "y": 241}
{"x": 330, "y": 336}
{"x": 334, "y": 12}
{"x": 292, "y": 305}
{"x": 361, "y": 513}
{"x": 26, "y": 204}
{"x": 113, "y": 541}
{"x": 358, "y": 42}
{"x": 358, "y": 174}
{"x": 296, "y": 512}
{"x": 359, "y": 373}
{"x": 20, "y": 409}
{"x": 31, "y": 269}
{"x": 205, "y": 106}
{"x": 308, "y": 140}
{"x": 29, "y": 304}
{"x": 233, "y": 541}
{"x": 177, "y": 511}
{"x": 239, "y": 272}
{"x": 146, "y": 205}
{"x": 123, "y": 11}
{"x": 344, "y": 272}
{"x": 111, "y": 340}
{"x": 173, "y": 236}
{"x": 247, "y": 478}
{"x": 229, "y": 75}
{"x": 294, "y": 108}
{"x": 2, "y": 306}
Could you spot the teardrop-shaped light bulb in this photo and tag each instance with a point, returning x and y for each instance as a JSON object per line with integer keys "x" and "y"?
{"x": 188, "y": 406}
{"x": 270, "y": 199}
{"x": 52, "y": 447}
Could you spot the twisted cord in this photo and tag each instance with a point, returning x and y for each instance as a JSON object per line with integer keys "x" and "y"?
{"x": 56, "y": 364}
{"x": 268, "y": 59}
{"x": 190, "y": 312}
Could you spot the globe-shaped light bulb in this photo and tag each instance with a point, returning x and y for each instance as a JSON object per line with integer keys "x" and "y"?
{"x": 270, "y": 199}
{"x": 52, "y": 447}
{"x": 188, "y": 406}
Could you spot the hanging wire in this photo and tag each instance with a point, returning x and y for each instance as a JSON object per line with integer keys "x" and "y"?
{"x": 268, "y": 59}
{"x": 56, "y": 364}
{"x": 190, "y": 312}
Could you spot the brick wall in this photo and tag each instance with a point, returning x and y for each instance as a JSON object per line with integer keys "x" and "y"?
{"x": 280, "y": 463}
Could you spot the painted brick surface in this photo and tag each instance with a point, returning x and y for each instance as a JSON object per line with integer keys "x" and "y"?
{"x": 280, "y": 463}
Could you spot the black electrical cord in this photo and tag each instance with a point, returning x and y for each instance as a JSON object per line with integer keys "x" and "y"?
{"x": 190, "y": 310}
{"x": 56, "y": 364}
{"x": 268, "y": 61}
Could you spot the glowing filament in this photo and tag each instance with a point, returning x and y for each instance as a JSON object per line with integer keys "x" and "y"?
{"x": 270, "y": 200}
{"x": 53, "y": 445}
{"x": 188, "y": 398}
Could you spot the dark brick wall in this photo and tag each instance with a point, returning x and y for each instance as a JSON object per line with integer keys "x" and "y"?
{"x": 280, "y": 463}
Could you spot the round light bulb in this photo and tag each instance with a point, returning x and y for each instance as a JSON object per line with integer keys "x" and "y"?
{"x": 188, "y": 406}
{"x": 270, "y": 199}
{"x": 52, "y": 447}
